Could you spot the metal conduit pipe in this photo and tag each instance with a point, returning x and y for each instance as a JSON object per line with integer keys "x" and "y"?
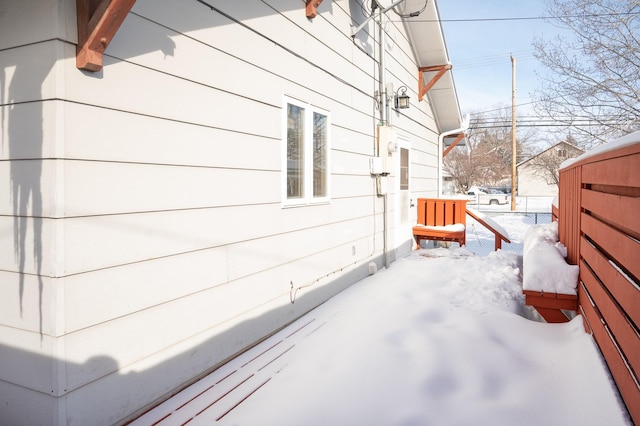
{"x": 382, "y": 93}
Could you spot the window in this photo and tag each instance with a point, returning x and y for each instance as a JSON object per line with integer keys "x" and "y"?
{"x": 404, "y": 169}
{"x": 306, "y": 154}
{"x": 403, "y": 203}
{"x": 562, "y": 153}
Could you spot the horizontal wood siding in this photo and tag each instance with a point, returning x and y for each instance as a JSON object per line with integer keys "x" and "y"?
{"x": 143, "y": 239}
{"x": 601, "y": 233}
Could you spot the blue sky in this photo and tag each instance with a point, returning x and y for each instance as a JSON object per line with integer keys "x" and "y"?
{"x": 480, "y": 51}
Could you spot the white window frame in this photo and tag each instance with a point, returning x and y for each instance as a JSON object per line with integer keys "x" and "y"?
{"x": 307, "y": 197}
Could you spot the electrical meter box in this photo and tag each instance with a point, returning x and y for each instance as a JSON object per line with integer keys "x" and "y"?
{"x": 387, "y": 145}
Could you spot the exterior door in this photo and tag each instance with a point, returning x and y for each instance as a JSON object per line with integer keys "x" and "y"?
{"x": 403, "y": 221}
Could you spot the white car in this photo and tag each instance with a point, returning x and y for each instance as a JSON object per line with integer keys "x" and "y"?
{"x": 480, "y": 197}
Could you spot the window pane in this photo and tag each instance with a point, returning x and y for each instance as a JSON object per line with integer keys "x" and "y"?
{"x": 295, "y": 151}
{"x": 319, "y": 155}
{"x": 404, "y": 169}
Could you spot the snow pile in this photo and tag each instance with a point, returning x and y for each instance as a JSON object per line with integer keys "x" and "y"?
{"x": 441, "y": 337}
{"x": 544, "y": 265}
{"x": 437, "y": 339}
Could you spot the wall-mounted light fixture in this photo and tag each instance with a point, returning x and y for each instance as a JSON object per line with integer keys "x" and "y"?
{"x": 401, "y": 98}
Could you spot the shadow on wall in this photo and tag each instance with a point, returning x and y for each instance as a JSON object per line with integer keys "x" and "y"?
{"x": 102, "y": 392}
{"x": 358, "y": 15}
{"x": 98, "y": 391}
{"x": 23, "y": 117}
{"x": 23, "y": 104}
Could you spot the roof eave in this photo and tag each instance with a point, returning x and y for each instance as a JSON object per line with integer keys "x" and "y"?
{"x": 429, "y": 48}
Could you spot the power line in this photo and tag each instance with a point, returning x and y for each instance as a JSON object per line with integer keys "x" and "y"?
{"x": 550, "y": 122}
{"x": 526, "y": 18}
{"x": 568, "y": 120}
{"x": 506, "y": 126}
{"x": 482, "y": 61}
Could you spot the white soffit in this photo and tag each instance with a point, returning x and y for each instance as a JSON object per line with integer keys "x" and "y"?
{"x": 427, "y": 38}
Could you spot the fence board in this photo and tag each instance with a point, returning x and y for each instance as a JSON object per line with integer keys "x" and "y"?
{"x": 620, "y": 171}
{"x": 621, "y": 330}
{"x": 626, "y": 293}
{"x": 627, "y": 385}
{"x": 619, "y": 211}
{"x": 598, "y": 222}
{"x": 618, "y": 246}
{"x": 568, "y": 216}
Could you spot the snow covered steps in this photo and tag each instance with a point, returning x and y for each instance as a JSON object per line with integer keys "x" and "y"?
{"x": 213, "y": 397}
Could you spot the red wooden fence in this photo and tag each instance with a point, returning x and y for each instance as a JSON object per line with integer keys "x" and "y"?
{"x": 599, "y": 222}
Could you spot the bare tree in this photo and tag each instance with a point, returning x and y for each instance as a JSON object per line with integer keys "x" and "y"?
{"x": 486, "y": 160}
{"x": 459, "y": 165}
{"x": 594, "y": 78}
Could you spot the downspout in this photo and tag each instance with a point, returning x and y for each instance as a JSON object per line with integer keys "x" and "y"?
{"x": 382, "y": 78}
{"x": 463, "y": 128}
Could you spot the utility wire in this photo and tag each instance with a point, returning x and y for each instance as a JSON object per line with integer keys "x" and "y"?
{"x": 483, "y": 61}
{"x": 506, "y": 126}
{"x": 526, "y": 18}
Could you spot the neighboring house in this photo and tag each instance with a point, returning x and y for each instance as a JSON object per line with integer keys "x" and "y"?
{"x": 538, "y": 176}
{"x": 208, "y": 179}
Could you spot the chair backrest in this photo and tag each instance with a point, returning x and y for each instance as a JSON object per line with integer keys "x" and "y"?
{"x": 441, "y": 211}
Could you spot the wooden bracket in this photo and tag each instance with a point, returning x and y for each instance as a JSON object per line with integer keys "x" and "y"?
{"x": 98, "y": 22}
{"x": 424, "y": 88}
{"x": 459, "y": 137}
{"x": 312, "y": 5}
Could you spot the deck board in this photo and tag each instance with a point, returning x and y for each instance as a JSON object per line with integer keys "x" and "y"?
{"x": 214, "y": 396}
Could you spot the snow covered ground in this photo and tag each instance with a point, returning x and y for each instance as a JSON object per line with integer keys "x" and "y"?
{"x": 480, "y": 241}
{"x": 523, "y": 204}
{"x": 441, "y": 337}
{"x": 529, "y": 211}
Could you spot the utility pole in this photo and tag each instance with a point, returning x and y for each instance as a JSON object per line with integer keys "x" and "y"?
{"x": 513, "y": 134}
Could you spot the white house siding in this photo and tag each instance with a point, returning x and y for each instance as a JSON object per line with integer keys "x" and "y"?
{"x": 160, "y": 246}
{"x": 531, "y": 184}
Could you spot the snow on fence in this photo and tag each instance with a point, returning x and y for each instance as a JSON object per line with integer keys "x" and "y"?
{"x": 599, "y": 223}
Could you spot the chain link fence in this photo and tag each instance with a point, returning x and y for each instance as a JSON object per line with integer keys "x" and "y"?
{"x": 530, "y": 211}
